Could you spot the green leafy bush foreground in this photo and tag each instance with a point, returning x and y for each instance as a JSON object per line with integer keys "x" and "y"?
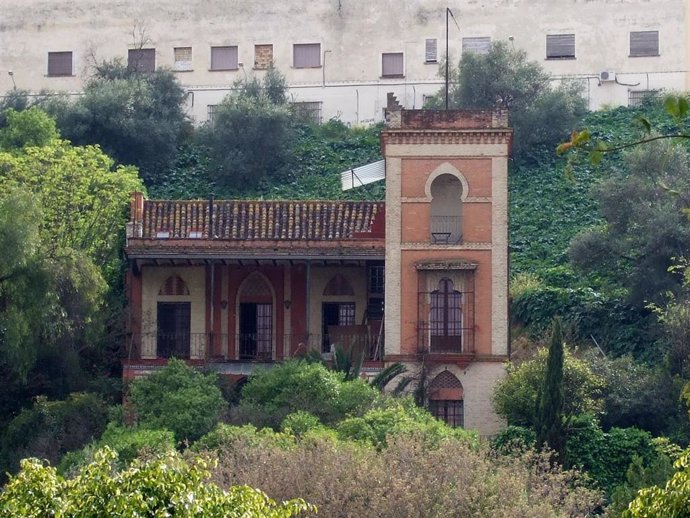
{"x": 162, "y": 486}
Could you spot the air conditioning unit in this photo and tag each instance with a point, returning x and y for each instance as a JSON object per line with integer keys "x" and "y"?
{"x": 607, "y": 75}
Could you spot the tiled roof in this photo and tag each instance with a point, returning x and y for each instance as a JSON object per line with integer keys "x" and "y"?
{"x": 258, "y": 220}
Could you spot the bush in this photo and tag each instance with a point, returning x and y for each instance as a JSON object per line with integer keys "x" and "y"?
{"x": 227, "y": 437}
{"x": 178, "y": 398}
{"x": 49, "y": 429}
{"x": 346, "y": 478}
{"x": 514, "y": 439}
{"x": 162, "y": 486}
{"x": 606, "y": 456}
{"x": 296, "y": 385}
{"x": 299, "y": 423}
{"x": 127, "y": 442}
{"x": 515, "y": 396}
{"x": 378, "y": 426}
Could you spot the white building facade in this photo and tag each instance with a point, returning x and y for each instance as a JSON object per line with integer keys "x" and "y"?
{"x": 341, "y": 57}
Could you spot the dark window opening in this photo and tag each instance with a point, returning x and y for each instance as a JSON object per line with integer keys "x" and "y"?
{"x": 59, "y": 64}
{"x": 174, "y": 324}
{"x": 256, "y": 331}
{"x": 450, "y": 411}
{"x": 141, "y": 60}
{"x": 335, "y": 314}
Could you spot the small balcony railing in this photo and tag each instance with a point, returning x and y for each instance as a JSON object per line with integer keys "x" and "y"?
{"x": 436, "y": 340}
{"x": 248, "y": 346}
{"x": 446, "y": 229}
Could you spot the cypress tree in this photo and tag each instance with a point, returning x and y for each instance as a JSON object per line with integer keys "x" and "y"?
{"x": 549, "y": 414}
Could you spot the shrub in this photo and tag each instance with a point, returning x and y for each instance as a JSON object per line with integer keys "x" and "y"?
{"x": 49, "y": 429}
{"x": 162, "y": 486}
{"x": 515, "y": 397}
{"x": 296, "y": 385}
{"x": 346, "y": 478}
{"x": 514, "y": 438}
{"x": 299, "y": 423}
{"x": 227, "y": 437}
{"x": 178, "y": 398}
{"x": 378, "y": 426}
{"x": 127, "y": 442}
{"x": 606, "y": 456}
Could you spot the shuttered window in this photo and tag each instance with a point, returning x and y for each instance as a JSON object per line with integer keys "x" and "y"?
{"x": 59, "y": 64}
{"x": 644, "y": 43}
{"x": 431, "y": 51}
{"x": 224, "y": 58}
{"x": 560, "y": 46}
{"x": 392, "y": 64}
{"x": 141, "y": 60}
{"x": 306, "y": 55}
{"x": 478, "y": 45}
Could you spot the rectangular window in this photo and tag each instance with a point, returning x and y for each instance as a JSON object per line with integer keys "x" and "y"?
{"x": 306, "y": 55}
{"x": 392, "y": 64}
{"x": 224, "y": 58}
{"x": 446, "y": 312}
{"x": 308, "y": 111}
{"x": 263, "y": 56}
{"x": 431, "y": 51}
{"x": 478, "y": 45}
{"x": 637, "y": 97}
{"x": 211, "y": 113}
{"x": 377, "y": 279}
{"x": 450, "y": 411}
{"x": 183, "y": 59}
{"x": 174, "y": 324}
{"x": 335, "y": 314}
{"x": 644, "y": 43}
{"x": 141, "y": 60}
{"x": 560, "y": 46}
{"x": 59, "y": 64}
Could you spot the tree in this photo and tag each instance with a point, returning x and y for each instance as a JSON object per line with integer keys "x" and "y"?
{"x": 163, "y": 486}
{"x": 251, "y": 135}
{"x": 137, "y": 118}
{"x": 669, "y": 500}
{"x": 84, "y": 197}
{"x": 295, "y": 385}
{"x": 644, "y": 227}
{"x": 30, "y": 127}
{"x": 549, "y": 415}
{"x": 515, "y": 397}
{"x": 504, "y": 79}
{"x": 177, "y": 398}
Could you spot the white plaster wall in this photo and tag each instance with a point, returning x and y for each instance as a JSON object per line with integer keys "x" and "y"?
{"x": 152, "y": 279}
{"x": 352, "y": 34}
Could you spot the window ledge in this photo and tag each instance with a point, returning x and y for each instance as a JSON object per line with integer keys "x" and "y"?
{"x": 560, "y": 58}
{"x": 303, "y": 68}
{"x": 644, "y": 55}
{"x": 60, "y": 75}
{"x": 183, "y": 71}
{"x": 396, "y": 76}
{"x": 431, "y": 62}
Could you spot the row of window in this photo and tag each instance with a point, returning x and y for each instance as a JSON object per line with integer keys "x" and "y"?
{"x": 308, "y": 55}
{"x": 642, "y": 44}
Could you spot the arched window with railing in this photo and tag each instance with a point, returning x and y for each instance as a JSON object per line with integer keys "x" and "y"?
{"x": 446, "y": 210}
